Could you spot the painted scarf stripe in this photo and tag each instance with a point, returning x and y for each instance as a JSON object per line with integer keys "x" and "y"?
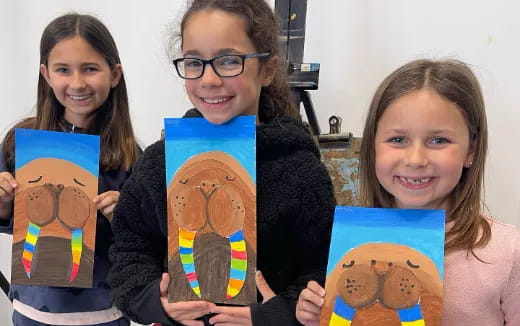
{"x": 189, "y": 269}
{"x": 235, "y": 284}
{"x": 239, "y": 246}
{"x": 343, "y": 310}
{"x": 185, "y": 251}
{"x": 77, "y": 248}
{"x": 238, "y": 275}
{"x": 186, "y": 239}
{"x": 186, "y": 243}
{"x": 31, "y": 238}
{"x": 413, "y": 323}
{"x": 33, "y": 228}
{"x": 336, "y": 320}
{"x": 231, "y": 292}
{"x": 240, "y": 265}
{"x": 191, "y": 277}
{"x": 188, "y": 235}
{"x": 187, "y": 259}
{"x": 237, "y": 236}
{"x": 29, "y": 247}
{"x": 238, "y": 254}
{"x": 27, "y": 255}
{"x": 411, "y": 314}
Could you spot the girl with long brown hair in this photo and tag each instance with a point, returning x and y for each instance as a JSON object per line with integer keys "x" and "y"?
{"x": 81, "y": 89}
{"x": 424, "y": 146}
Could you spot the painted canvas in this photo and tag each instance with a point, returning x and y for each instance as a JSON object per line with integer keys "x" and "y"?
{"x": 385, "y": 267}
{"x": 54, "y": 216}
{"x": 211, "y": 201}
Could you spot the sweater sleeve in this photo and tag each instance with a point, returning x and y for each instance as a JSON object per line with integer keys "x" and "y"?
{"x": 511, "y": 295}
{"x": 138, "y": 252}
{"x": 313, "y": 230}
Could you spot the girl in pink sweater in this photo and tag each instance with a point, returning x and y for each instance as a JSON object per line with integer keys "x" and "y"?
{"x": 424, "y": 146}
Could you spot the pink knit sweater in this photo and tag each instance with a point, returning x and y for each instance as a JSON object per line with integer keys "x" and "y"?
{"x": 477, "y": 293}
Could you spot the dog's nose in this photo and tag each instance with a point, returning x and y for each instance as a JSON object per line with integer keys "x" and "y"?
{"x": 381, "y": 267}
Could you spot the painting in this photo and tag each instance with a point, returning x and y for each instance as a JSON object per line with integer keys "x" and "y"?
{"x": 54, "y": 215}
{"x": 385, "y": 267}
{"x": 211, "y": 202}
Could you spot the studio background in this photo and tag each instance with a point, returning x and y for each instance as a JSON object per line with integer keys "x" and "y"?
{"x": 356, "y": 42}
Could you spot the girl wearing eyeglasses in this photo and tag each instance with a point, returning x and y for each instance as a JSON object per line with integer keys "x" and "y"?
{"x": 231, "y": 66}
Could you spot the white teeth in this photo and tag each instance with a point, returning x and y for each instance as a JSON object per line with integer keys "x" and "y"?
{"x": 415, "y": 181}
{"x": 215, "y": 101}
{"x": 79, "y": 98}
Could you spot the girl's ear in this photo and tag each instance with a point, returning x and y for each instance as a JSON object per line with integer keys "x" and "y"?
{"x": 471, "y": 154}
{"x": 45, "y": 73}
{"x": 116, "y": 72}
{"x": 269, "y": 70}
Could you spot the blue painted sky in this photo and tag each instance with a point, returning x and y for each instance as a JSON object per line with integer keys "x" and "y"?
{"x": 187, "y": 137}
{"x": 80, "y": 149}
{"x": 422, "y": 230}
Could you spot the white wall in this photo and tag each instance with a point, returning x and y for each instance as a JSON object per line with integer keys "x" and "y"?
{"x": 357, "y": 43}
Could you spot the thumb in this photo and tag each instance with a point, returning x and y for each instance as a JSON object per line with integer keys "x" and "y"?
{"x": 163, "y": 286}
{"x": 263, "y": 287}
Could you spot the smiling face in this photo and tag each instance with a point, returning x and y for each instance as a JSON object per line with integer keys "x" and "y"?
{"x": 80, "y": 78}
{"x": 422, "y": 144}
{"x": 210, "y": 33}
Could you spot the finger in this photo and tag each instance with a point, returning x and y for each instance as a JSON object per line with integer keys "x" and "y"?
{"x": 308, "y": 295}
{"x": 232, "y": 324}
{"x": 192, "y": 322}
{"x": 9, "y": 178}
{"x": 225, "y": 319}
{"x": 231, "y": 311}
{"x": 6, "y": 193}
{"x": 163, "y": 286}
{"x": 107, "y": 194}
{"x": 106, "y": 201}
{"x": 316, "y": 288}
{"x": 309, "y": 307}
{"x": 263, "y": 287}
{"x": 187, "y": 310}
{"x": 108, "y": 211}
{"x": 307, "y": 318}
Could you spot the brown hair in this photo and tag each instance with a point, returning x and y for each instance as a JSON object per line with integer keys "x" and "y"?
{"x": 262, "y": 29}
{"x": 454, "y": 81}
{"x": 112, "y": 119}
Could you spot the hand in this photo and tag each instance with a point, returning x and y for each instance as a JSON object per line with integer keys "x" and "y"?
{"x": 7, "y": 189}
{"x": 106, "y": 202}
{"x": 308, "y": 308}
{"x": 241, "y": 316}
{"x": 183, "y": 312}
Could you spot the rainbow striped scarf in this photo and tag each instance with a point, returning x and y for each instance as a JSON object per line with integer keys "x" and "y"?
{"x": 31, "y": 239}
{"x": 343, "y": 315}
{"x": 238, "y": 266}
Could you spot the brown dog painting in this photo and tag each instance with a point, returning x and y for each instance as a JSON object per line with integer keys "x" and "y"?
{"x": 54, "y": 216}
{"x": 211, "y": 202}
{"x": 392, "y": 281}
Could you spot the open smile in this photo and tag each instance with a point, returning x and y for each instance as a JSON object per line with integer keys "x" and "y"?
{"x": 415, "y": 182}
{"x": 80, "y": 97}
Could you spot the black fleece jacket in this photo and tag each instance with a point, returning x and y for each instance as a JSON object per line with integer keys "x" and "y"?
{"x": 295, "y": 206}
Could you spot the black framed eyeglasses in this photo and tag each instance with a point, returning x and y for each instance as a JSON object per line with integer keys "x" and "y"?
{"x": 228, "y": 65}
